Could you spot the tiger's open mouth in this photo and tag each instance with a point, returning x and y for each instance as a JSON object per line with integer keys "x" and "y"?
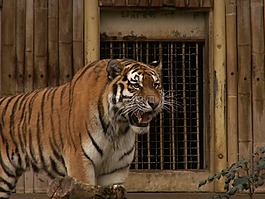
{"x": 141, "y": 119}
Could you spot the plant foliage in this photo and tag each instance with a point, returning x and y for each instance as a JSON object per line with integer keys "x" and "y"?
{"x": 244, "y": 175}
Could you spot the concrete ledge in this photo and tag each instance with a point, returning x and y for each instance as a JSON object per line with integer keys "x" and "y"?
{"x": 149, "y": 196}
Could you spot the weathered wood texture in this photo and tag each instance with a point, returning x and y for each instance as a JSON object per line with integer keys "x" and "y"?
{"x": 158, "y": 3}
{"x": 42, "y": 45}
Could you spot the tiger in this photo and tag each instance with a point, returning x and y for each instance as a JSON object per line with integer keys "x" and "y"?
{"x": 85, "y": 128}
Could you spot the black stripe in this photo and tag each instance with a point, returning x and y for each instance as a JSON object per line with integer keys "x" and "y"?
{"x": 31, "y": 104}
{"x": 32, "y": 153}
{"x": 2, "y": 100}
{"x": 5, "y": 168}
{"x": 94, "y": 142}
{"x": 5, "y": 191}
{"x": 12, "y": 120}
{"x": 121, "y": 96}
{"x": 6, "y": 107}
{"x": 86, "y": 155}
{"x": 55, "y": 166}
{"x": 60, "y": 131}
{"x": 101, "y": 113}
{"x": 53, "y": 97}
{"x": 10, "y": 185}
{"x": 84, "y": 70}
{"x": 42, "y": 109}
{"x": 40, "y": 147}
{"x": 53, "y": 133}
{"x": 114, "y": 92}
{"x": 62, "y": 94}
{"x": 127, "y": 153}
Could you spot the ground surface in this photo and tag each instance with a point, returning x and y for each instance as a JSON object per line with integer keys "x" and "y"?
{"x": 148, "y": 196}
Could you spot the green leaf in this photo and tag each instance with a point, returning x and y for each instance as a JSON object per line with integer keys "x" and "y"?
{"x": 262, "y": 176}
{"x": 232, "y": 191}
{"x": 218, "y": 175}
{"x": 259, "y": 183}
{"x": 210, "y": 179}
{"x": 202, "y": 182}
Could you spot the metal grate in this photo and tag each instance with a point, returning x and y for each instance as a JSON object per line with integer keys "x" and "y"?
{"x": 175, "y": 140}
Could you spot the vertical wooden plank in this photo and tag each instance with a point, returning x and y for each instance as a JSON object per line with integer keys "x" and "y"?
{"x": 40, "y": 44}
{"x": 231, "y": 73}
{"x": 53, "y": 43}
{"x": 132, "y": 3}
{"x": 244, "y": 81}
{"x": 29, "y": 71}
{"x": 29, "y": 40}
{"x": 20, "y": 57}
{"x": 92, "y": 33}
{"x": 65, "y": 40}
{"x": 40, "y": 67}
{"x": 78, "y": 41}
{"x": 178, "y": 3}
{"x": 8, "y": 47}
{"x": 20, "y": 44}
{"x": 258, "y": 85}
{"x": 119, "y": 2}
{"x": 219, "y": 49}
{"x": 194, "y": 3}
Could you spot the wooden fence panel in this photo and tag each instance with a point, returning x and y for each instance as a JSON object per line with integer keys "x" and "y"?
{"x": 65, "y": 40}
{"x": 158, "y": 3}
{"x": 231, "y": 75}
{"x": 258, "y": 84}
{"x": 53, "y": 45}
{"x": 78, "y": 36}
{"x": 8, "y": 80}
{"x": 20, "y": 44}
{"x": 27, "y": 178}
{"x": 244, "y": 80}
{"x": 35, "y": 51}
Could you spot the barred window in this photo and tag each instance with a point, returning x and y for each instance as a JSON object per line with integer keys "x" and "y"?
{"x": 175, "y": 140}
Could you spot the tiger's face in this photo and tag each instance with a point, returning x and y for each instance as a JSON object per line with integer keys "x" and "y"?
{"x": 137, "y": 93}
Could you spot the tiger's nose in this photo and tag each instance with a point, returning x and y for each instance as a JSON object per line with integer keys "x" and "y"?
{"x": 152, "y": 102}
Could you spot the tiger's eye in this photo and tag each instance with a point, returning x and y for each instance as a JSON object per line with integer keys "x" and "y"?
{"x": 136, "y": 86}
{"x": 156, "y": 85}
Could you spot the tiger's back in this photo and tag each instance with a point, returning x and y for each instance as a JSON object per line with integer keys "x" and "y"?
{"x": 81, "y": 129}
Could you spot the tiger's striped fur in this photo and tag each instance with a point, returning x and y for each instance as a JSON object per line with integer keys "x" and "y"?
{"x": 84, "y": 129}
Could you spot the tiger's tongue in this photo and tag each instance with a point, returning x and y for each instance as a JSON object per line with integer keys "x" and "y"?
{"x": 144, "y": 118}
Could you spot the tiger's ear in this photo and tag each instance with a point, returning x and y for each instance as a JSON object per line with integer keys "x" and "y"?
{"x": 157, "y": 65}
{"x": 114, "y": 68}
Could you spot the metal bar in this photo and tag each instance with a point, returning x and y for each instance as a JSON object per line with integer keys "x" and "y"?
{"x": 197, "y": 106}
{"x": 161, "y": 125}
{"x": 111, "y": 49}
{"x": 172, "y": 108}
{"x": 184, "y": 106}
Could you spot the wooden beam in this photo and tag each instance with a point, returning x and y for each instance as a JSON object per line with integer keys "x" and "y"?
{"x": 92, "y": 33}
{"x": 220, "y": 140}
{"x": 231, "y": 73}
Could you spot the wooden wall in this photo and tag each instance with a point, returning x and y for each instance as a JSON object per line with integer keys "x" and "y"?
{"x": 158, "y": 3}
{"x": 42, "y": 45}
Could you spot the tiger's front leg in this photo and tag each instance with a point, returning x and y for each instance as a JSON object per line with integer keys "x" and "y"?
{"x": 82, "y": 169}
{"x": 115, "y": 177}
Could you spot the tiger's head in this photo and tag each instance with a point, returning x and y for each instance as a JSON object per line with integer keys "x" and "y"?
{"x": 137, "y": 95}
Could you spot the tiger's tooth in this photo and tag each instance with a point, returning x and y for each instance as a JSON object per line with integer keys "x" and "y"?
{"x": 140, "y": 120}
